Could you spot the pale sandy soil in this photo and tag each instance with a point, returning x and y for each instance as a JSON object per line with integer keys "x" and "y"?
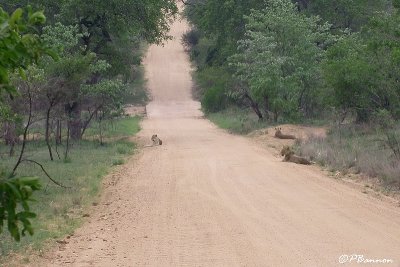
{"x": 207, "y": 198}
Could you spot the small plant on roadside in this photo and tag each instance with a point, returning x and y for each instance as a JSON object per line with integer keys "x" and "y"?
{"x": 117, "y": 162}
{"x": 15, "y": 193}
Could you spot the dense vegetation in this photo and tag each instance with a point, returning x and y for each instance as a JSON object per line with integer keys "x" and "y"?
{"x": 58, "y": 79}
{"x": 297, "y": 59}
{"x": 304, "y": 61}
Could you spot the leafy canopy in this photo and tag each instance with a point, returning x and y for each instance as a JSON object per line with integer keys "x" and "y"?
{"x": 20, "y": 46}
{"x": 279, "y": 56}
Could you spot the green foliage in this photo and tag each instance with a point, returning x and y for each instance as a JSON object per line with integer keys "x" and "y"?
{"x": 294, "y": 60}
{"x": 62, "y": 38}
{"x": 100, "y": 19}
{"x": 216, "y": 82}
{"x": 15, "y": 193}
{"x": 19, "y": 45}
{"x": 344, "y": 14}
{"x": 382, "y": 38}
{"x": 19, "y": 48}
{"x": 108, "y": 94}
{"x": 278, "y": 60}
{"x": 362, "y": 69}
{"x": 191, "y": 38}
{"x": 221, "y": 21}
{"x": 213, "y": 99}
{"x": 348, "y": 73}
{"x": 99, "y": 45}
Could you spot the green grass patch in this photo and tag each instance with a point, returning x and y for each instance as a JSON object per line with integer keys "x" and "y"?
{"x": 238, "y": 121}
{"x": 120, "y": 127}
{"x": 59, "y": 210}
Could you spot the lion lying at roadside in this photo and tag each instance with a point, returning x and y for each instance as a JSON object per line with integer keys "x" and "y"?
{"x": 291, "y": 157}
{"x": 280, "y": 135}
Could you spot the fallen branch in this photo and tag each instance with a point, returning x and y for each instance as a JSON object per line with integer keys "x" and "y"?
{"x": 45, "y": 172}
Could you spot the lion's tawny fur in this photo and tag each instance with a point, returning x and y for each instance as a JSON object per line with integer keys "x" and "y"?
{"x": 280, "y": 135}
{"x": 289, "y": 156}
{"x": 156, "y": 141}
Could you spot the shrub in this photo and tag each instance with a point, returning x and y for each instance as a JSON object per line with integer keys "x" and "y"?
{"x": 117, "y": 162}
{"x": 191, "y": 38}
{"x": 214, "y": 99}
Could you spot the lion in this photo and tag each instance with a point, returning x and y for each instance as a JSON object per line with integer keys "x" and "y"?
{"x": 291, "y": 157}
{"x": 156, "y": 141}
{"x": 280, "y": 135}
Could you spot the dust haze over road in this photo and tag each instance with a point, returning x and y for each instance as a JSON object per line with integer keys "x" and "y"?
{"x": 207, "y": 198}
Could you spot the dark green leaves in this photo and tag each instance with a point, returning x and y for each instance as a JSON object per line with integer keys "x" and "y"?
{"x": 278, "y": 58}
{"x": 15, "y": 193}
{"x": 20, "y": 46}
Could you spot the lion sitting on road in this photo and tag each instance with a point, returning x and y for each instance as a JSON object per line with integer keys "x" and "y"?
{"x": 291, "y": 157}
{"x": 156, "y": 141}
{"x": 280, "y": 135}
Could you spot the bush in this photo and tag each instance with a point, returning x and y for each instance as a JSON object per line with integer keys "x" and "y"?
{"x": 191, "y": 38}
{"x": 117, "y": 162}
{"x": 214, "y": 99}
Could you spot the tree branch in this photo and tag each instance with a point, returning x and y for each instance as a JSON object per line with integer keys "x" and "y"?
{"x": 25, "y": 132}
{"x": 46, "y": 173}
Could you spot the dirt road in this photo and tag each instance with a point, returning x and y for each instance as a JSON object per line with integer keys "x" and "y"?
{"x": 207, "y": 198}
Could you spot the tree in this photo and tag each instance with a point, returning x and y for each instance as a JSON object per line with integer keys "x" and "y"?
{"x": 344, "y": 14}
{"x": 383, "y": 47}
{"x": 348, "y": 74}
{"x": 19, "y": 47}
{"x": 104, "y": 21}
{"x": 221, "y": 21}
{"x": 106, "y": 24}
{"x": 278, "y": 59}
{"x": 362, "y": 69}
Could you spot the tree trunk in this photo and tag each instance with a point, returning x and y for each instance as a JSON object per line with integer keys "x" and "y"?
{"x": 254, "y": 106}
{"x": 10, "y": 136}
{"x": 101, "y": 132}
{"x": 12, "y": 150}
{"x": 276, "y": 114}
{"x": 28, "y": 124}
{"x": 266, "y": 107}
{"x": 67, "y": 145}
{"x": 75, "y": 123}
{"x": 10, "y": 133}
{"x": 47, "y": 133}
{"x": 87, "y": 122}
{"x": 58, "y": 132}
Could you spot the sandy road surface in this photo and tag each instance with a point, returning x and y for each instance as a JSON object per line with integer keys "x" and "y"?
{"x": 207, "y": 198}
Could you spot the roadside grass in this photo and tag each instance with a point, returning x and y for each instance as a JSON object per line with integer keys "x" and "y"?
{"x": 60, "y": 211}
{"x": 117, "y": 128}
{"x": 355, "y": 149}
{"x": 238, "y": 121}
